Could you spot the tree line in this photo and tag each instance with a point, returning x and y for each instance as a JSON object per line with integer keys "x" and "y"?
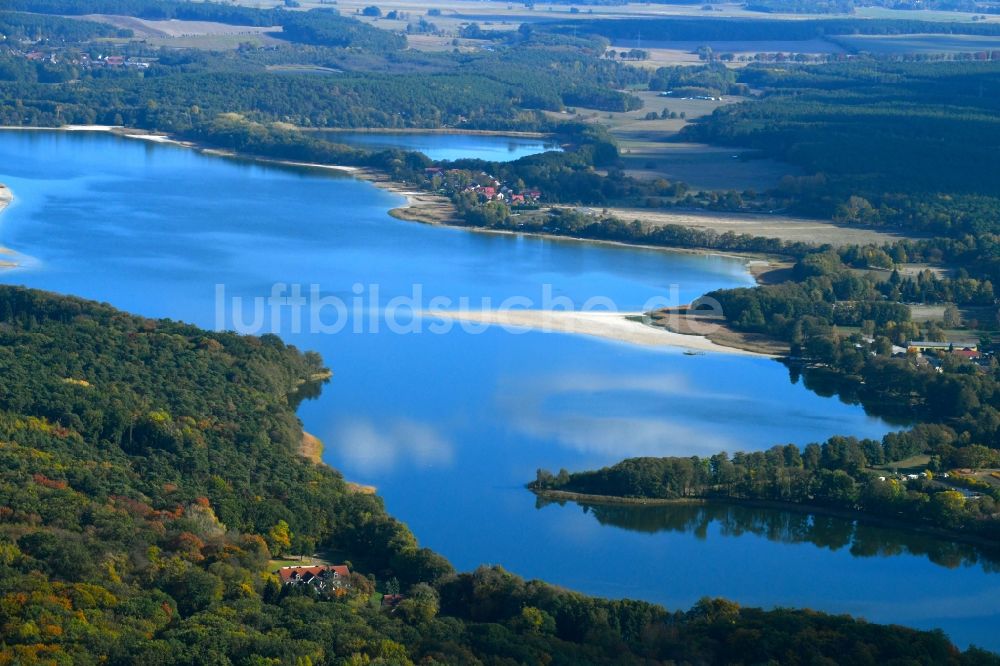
{"x": 836, "y": 474}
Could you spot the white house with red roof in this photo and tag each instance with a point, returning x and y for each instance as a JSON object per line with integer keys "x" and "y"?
{"x": 322, "y": 577}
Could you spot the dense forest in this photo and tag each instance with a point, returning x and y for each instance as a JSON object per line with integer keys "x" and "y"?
{"x": 35, "y": 27}
{"x": 898, "y": 144}
{"x": 150, "y": 472}
{"x": 369, "y": 85}
{"x": 325, "y": 27}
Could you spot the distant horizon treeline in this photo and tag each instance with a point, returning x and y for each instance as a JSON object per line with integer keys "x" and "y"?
{"x": 711, "y": 29}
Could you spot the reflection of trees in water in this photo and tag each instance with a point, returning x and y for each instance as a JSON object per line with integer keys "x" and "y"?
{"x": 307, "y": 391}
{"x": 827, "y": 532}
{"x": 828, "y": 383}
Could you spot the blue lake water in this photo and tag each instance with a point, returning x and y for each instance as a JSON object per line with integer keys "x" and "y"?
{"x": 450, "y": 426}
{"x": 448, "y": 146}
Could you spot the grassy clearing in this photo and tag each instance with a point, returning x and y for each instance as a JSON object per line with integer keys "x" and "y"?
{"x": 306, "y": 561}
{"x": 646, "y": 154}
{"x": 911, "y": 465}
{"x": 204, "y": 35}
{"x": 210, "y": 42}
{"x": 631, "y": 125}
{"x": 303, "y": 69}
{"x": 922, "y": 313}
{"x": 919, "y": 14}
{"x": 913, "y": 270}
{"x": 714, "y": 328}
{"x": 769, "y": 226}
{"x": 702, "y": 167}
{"x": 677, "y": 49}
{"x": 896, "y": 44}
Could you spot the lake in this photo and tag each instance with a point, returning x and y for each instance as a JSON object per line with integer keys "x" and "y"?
{"x": 447, "y": 146}
{"x": 450, "y": 425}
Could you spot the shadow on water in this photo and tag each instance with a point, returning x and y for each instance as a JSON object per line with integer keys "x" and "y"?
{"x": 790, "y": 527}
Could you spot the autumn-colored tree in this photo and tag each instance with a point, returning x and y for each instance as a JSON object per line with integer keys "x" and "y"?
{"x": 279, "y": 538}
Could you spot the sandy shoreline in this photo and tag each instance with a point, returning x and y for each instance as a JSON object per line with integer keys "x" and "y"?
{"x": 617, "y": 326}
{"x": 6, "y": 197}
{"x": 311, "y": 448}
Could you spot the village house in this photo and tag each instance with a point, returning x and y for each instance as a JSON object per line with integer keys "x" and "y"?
{"x": 391, "y": 600}
{"x": 323, "y": 577}
{"x": 923, "y": 347}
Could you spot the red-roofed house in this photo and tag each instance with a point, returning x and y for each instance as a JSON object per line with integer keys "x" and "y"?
{"x": 324, "y": 576}
{"x": 970, "y": 354}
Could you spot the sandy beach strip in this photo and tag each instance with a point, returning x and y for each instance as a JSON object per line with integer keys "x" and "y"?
{"x": 617, "y": 326}
{"x": 156, "y": 138}
{"x": 6, "y": 196}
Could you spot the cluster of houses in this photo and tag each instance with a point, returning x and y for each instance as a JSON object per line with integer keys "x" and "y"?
{"x": 707, "y": 98}
{"x": 484, "y": 185}
{"x": 908, "y": 477}
{"x": 969, "y": 350}
{"x": 931, "y": 353}
{"x": 84, "y": 60}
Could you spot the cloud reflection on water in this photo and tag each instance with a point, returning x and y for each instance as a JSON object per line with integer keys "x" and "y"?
{"x": 534, "y": 409}
{"x": 371, "y": 450}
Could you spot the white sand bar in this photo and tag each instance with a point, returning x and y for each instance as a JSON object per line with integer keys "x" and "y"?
{"x": 618, "y": 326}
